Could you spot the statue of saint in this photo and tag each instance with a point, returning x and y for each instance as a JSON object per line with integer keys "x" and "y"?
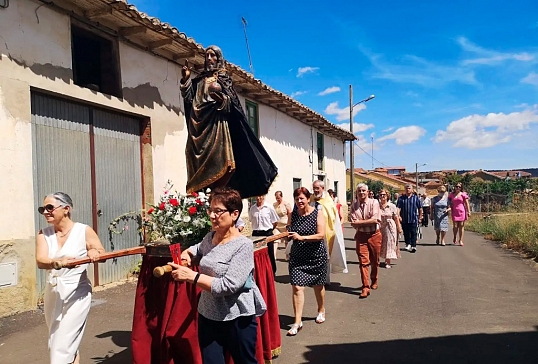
{"x": 222, "y": 149}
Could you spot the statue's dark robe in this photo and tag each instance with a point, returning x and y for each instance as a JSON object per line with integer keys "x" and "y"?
{"x": 222, "y": 149}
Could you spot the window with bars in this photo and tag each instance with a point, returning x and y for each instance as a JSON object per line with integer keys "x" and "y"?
{"x": 252, "y": 116}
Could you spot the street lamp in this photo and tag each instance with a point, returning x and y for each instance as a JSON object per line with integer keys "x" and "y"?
{"x": 416, "y": 173}
{"x": 351, "y": 157}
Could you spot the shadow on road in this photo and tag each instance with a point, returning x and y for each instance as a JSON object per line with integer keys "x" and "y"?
{"x": 515, "y": 347}
{"x": 284, "y": 279}
{"x": 337, "y": 287}
{"x": 121, "y": 339}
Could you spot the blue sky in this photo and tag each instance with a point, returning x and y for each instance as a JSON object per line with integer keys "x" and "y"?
{"x": 456, "y": 83}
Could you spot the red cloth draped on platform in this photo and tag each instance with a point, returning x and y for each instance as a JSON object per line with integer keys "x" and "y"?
{"x": 165, "y": 318}
{"x": 166, "y": 312}
{"x": 269, "y": 323}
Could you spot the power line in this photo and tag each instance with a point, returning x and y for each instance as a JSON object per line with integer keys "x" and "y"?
{"x": 368, "y": 154}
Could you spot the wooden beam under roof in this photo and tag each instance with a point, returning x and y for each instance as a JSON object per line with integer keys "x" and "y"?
{"x": 98, "y": 13}
{"x": 160, "y": 43}
{"x": 127, "y": 31}
{"x": 185, "y": 55}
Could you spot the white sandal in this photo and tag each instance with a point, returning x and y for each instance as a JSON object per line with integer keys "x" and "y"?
{"x": 295, "y": 328}
{"x": 321, "y": 318}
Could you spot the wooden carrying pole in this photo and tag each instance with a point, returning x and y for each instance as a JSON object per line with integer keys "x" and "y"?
{"x": 161, "y": 271}
{"x": 102, "y": 257}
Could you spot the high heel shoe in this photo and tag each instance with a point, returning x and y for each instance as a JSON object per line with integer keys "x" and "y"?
{"x": 295, "y": 328}
{"x": 321, "y": 318}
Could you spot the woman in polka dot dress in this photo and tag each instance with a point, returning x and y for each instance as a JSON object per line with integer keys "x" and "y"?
{"x": 308, "y": 256}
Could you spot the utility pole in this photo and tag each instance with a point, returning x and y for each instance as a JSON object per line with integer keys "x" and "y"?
{"x": 351, "y": 157}
{"x": 244, "y": 21}
{"x": 372, "y": 138}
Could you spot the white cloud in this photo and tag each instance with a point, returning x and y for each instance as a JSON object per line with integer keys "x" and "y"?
{"x": 531, "y": 78}
{"x": 417, "y": 104}
{"x": 357, "y": 127}
{"x": 388, "y": 129}
{"x": 329, "y": 90}
{"x": 297, "y": 94}
{"x": 412, "y": 94}
{"x": 490, "y": 57}
{"x": 416, "y": 70}
{"x": 342, "y": 114}
{"x": 304, "y": 70}
{"x": 484, "y": 131}
{"x": 405, "y": 135}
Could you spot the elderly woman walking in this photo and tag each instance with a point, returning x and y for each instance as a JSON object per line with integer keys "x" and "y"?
{"x": 390, "y": 228}
{"x": 439, "y": 214}
{"x": 68, "y": 293}
{"x": 230, "y": 299}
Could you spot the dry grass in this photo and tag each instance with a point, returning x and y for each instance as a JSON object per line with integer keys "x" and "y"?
{"x": 519, "y": 231}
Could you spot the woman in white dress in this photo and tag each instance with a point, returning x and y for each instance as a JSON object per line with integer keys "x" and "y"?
{"x": 68, "y": 291}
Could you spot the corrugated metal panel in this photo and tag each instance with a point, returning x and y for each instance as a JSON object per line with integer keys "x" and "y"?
{"x": 61, "y": 158}
{"x": 119, "y": 186}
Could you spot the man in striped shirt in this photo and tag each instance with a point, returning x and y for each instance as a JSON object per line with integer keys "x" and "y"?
{"x": 365, "y": 217}
{"x": 409, "y": 209}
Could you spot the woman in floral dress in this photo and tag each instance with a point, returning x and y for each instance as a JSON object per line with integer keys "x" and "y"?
{"x": 390, "y": 228}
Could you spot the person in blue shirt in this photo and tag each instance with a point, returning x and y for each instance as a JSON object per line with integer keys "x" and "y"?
{"x": 409, "y": 208}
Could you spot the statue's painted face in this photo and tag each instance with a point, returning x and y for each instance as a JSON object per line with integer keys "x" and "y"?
{"x": 211, "y": 59}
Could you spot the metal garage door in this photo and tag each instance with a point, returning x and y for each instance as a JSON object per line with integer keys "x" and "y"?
{"x": 62, "y": 153}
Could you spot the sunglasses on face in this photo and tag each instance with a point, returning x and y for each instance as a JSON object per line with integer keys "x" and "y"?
{"x": 458, "y": 186}
{"x": 382, "y": 194}
{"x": 49, "y": 208}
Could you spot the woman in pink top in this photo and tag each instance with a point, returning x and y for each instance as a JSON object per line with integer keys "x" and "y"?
{"x": 458, "y": 202}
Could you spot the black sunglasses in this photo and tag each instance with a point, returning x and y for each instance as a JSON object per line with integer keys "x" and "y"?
{"x": 49, "y": 208}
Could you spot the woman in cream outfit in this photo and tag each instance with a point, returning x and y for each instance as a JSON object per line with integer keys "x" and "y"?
{"x": 283, "y": 210}
{"x": 68, "y": 291}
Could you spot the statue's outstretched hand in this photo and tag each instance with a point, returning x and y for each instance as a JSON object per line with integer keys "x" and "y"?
{"x": 185, "y": 72}
{"x": 217, "y": 96}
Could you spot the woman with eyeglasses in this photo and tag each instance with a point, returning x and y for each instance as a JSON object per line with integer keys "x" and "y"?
{"x": 68, "y": 291}
{"x": 390, "y": 228}
{"x": 458, "y": 201}
{"x": 230, "y": 299}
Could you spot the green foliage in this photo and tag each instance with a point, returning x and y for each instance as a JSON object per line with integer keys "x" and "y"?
{"x": 120, "y": 224}
{"x": 518, "y": 231}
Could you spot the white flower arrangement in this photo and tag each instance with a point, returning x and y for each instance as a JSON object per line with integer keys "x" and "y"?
{"x": 179, "y": 218}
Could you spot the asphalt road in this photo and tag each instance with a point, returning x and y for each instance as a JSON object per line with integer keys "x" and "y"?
{"x": 451, "y": 304}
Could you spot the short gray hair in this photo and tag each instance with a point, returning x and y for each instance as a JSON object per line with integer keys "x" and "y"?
{"x": 319, "y": 182}
{"x": 63, "y": 198}
{"x": 362, "y": 185}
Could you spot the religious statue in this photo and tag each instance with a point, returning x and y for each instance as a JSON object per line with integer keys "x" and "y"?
{"x": 222, "y": 149}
